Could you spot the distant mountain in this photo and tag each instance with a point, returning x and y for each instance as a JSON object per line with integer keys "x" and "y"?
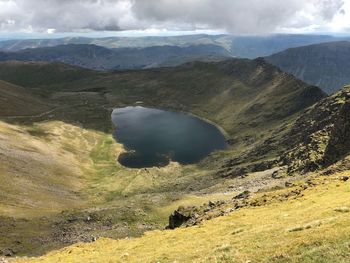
{"x": 326, "y": 65}
{"x": 238, "y": 46}
{"x": 100, "y": 58}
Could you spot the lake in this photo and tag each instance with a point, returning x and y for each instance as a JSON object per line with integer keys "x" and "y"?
{"x": 155, "y": 137}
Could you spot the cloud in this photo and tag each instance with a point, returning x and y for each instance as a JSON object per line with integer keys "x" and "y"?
{"x": 247, "y": 16}
{"x": 66, "y": 15}
{"x": 235, "y": 16}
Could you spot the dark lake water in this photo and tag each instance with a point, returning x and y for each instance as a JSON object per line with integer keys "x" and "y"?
{"x": 154, "y": 137}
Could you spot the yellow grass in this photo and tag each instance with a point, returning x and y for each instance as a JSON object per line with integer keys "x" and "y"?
{"x": 312, "y": 228}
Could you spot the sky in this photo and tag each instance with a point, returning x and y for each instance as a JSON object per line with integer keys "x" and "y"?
{"x": 172, "y": 17}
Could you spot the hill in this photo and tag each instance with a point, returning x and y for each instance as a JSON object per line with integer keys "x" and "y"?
{"x": 17, "y": 101}
{"x": 325, "y": 65}
{"x": 37, "y": 74}
{"x": 100, "y": 58}
{"x": 64, "y": 184}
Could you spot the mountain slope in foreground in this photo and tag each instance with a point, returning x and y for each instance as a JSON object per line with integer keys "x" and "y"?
{"x": 325, "y": 65}
{"x": 311, "y": 227}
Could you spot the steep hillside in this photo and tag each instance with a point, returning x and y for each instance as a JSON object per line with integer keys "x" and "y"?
{"x": 325, "y": 65}
{"x": 16, "y": 101}
{"x": 100, "y": 58}
{"x": 36, "y": 74}
{"x": 320, "y": 137}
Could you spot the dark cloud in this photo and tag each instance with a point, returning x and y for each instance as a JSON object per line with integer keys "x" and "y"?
{"x": 236, "y": 16}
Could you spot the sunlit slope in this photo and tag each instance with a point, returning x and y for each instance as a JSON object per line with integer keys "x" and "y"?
{"x": 44, "y": 167}
{"x": 56, "y": 175}
{"x": 312, "y": 227}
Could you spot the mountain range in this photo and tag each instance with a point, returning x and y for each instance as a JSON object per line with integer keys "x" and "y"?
{"x": 322, "y": 64}
{"x": 100, "y": 58}
{"x": 237, "y": 46}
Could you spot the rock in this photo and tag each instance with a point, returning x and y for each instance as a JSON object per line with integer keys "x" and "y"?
{"x": 8, "y": 252}
{"x": 2, "y": 260}
{"x": 344, "y": 178}
{"x": 342, "y": 209}
{"x": 288, "y": 184}
{"x": 237, "y": 231}
{"x": 243, "y": 195}
{"x": 211, "y": 204}
{"x": 178, "y": 218}
{"x": 276, "y": 175}
{"x": 304, "y": 227}
{"x": 295, "y": 229}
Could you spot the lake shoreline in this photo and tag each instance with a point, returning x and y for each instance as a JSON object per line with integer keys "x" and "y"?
{"x": 174, "y": 109}
{"x": 171, "y": 132}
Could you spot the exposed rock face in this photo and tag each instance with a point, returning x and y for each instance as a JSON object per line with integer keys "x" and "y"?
{"x": 325, "y": 65}
{"x": 193, "y": 215}
{"x": 180, "y": 216}
{"x": 320, "y": 137}
{"x": 339, "y": 143}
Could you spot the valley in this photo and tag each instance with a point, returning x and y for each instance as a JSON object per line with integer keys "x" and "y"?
{"x": 194, "y": 131}
{"x": 94, "y": 196}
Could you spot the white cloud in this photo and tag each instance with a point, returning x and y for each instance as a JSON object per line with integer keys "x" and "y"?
{"x": 235, "y": 16}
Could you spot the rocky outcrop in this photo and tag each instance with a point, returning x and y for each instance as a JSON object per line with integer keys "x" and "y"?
{"x": 339, "y": 142}
{"x": 194, "y": 215}
{"x": 320, "y": 137}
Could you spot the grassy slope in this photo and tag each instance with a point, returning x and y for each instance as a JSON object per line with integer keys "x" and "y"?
{"x": 36, "y": 74}
{"x": 15, "y": 99}
{"x": 311, "y": 228}
{"x": 37, "y": 168}
{"x": 61, "y": 167}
